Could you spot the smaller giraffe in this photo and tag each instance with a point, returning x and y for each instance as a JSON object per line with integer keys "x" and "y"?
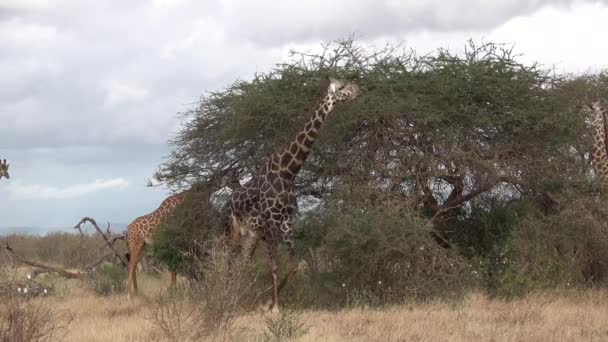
{"x": 4, "y": 169}
{"x": 140, "y": 231}
{"x": 599, "y": 158}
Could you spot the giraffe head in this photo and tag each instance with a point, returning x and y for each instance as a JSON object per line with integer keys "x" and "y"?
{"x": 598, "y": 106}
{"x": 4, "y": 169}
{"x": 343, "y": 90}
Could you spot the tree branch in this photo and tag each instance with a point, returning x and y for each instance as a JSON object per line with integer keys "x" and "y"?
{"x": 105, "y": 237}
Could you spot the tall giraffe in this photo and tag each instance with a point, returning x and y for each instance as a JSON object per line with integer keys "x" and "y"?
{"x": 4, "y": 169}
{"x": 265, "y": 208}
{"x": 599, "y": 158}
{"x": 140, "y": 231}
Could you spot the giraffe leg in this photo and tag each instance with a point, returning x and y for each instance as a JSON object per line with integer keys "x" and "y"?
{"x": 274, "y": 308}
{"x": 173, "y": 279}
{"x": 135, "y": 255}
{"x": 293, "y": 266}
{"x": 291, "y": 269}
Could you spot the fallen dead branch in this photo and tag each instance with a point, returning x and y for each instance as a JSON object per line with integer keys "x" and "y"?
{"x": 41, "y": 268}
{"x": 65, "y": 273}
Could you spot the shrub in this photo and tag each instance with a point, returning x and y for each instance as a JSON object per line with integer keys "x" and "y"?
{"x": 24, "y": 320}
{"x": 286, "y": 327}
{"x": 221, "y": 290}
{"x": 185, "y": 236}
{"x": 384, "y": 253}
{"x": 107, "y": 279}
{"x": 568, "y": 248}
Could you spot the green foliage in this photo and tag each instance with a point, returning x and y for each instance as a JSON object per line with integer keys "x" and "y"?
{"x": 107, "y": 279}
{"x": 180, "y": 240}
{"x": 376, "y": 255}
{"x": 562, "y": 250}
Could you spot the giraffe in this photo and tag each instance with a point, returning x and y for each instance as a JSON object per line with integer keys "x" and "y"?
{"x": 140, "y": 231}
{"x": 4, "y": 169}
{"x": 265, "y": 208}
{"x": 599, "y": 158}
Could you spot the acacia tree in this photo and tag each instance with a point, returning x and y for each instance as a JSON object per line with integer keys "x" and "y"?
{"x": 445, "y": 135}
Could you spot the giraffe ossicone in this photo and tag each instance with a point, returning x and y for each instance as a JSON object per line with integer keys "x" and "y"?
{"x": 265, "y": 208}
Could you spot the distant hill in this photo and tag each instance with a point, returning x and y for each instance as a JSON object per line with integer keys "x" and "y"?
{"x": 31, "y": 230}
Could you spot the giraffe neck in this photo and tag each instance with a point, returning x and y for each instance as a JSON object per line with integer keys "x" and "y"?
{"x": 600, "y": 157}
{"x": 291, "y": 159}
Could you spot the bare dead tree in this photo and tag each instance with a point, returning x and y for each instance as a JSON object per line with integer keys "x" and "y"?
{"x": 107, "y": 237}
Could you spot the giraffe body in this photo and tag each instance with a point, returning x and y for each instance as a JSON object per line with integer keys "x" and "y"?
{"x": 599, "y": 159}
{"x": 265, "y": 208}
{"x": 141, "y": 230}
{"x": 139, "y": 234}
{"x": 4, "y": 169}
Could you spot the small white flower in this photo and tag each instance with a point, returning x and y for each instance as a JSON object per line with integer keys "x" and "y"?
{"x": 421, "y": 248}
{"x": 25, "y": 290}
{"x": 29, "y": 276}
{"x": 379, "y": 282}
{"x": 19, "y": 289}
{"x": 343, "y": 285}
{"x": 44, "y": 291}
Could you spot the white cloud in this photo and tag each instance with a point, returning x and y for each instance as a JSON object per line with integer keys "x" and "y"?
{"x": 572, "y": 40}
{"x": 120, "y": 93}
{"x": 19, "y": 191}
{"x": 19, "y": 33}
{"x": 24, "y": 4}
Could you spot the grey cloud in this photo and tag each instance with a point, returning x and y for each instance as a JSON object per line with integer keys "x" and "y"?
{"x": 270, "y": 23}
{"x": 96, "y": 72}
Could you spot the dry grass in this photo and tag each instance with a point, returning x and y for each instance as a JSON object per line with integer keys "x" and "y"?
{"x": 554, "y": 316}
{"x": 566, "y": 316}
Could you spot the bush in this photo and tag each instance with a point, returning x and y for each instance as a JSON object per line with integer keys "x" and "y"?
{"x": 377, "y": 255}
{"x": 184, "y": 237}
{"x": 569, "y": 248}
{"x": 22, "y": 320}
{"x": 108, "y": 279}
{"x": 286, "y": 327}
{"x": 221, "y": 290}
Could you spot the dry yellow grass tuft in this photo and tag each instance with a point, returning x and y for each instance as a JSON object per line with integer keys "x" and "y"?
{"x": 564, "y": 316}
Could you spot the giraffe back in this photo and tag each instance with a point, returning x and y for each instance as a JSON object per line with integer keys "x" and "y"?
{"x": 142, "y": 228}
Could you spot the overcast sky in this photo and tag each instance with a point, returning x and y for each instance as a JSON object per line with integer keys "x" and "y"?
{"x": 89, "y": 90}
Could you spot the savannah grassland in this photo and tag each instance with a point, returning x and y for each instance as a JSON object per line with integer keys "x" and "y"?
{"x": 554, "y": 316}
